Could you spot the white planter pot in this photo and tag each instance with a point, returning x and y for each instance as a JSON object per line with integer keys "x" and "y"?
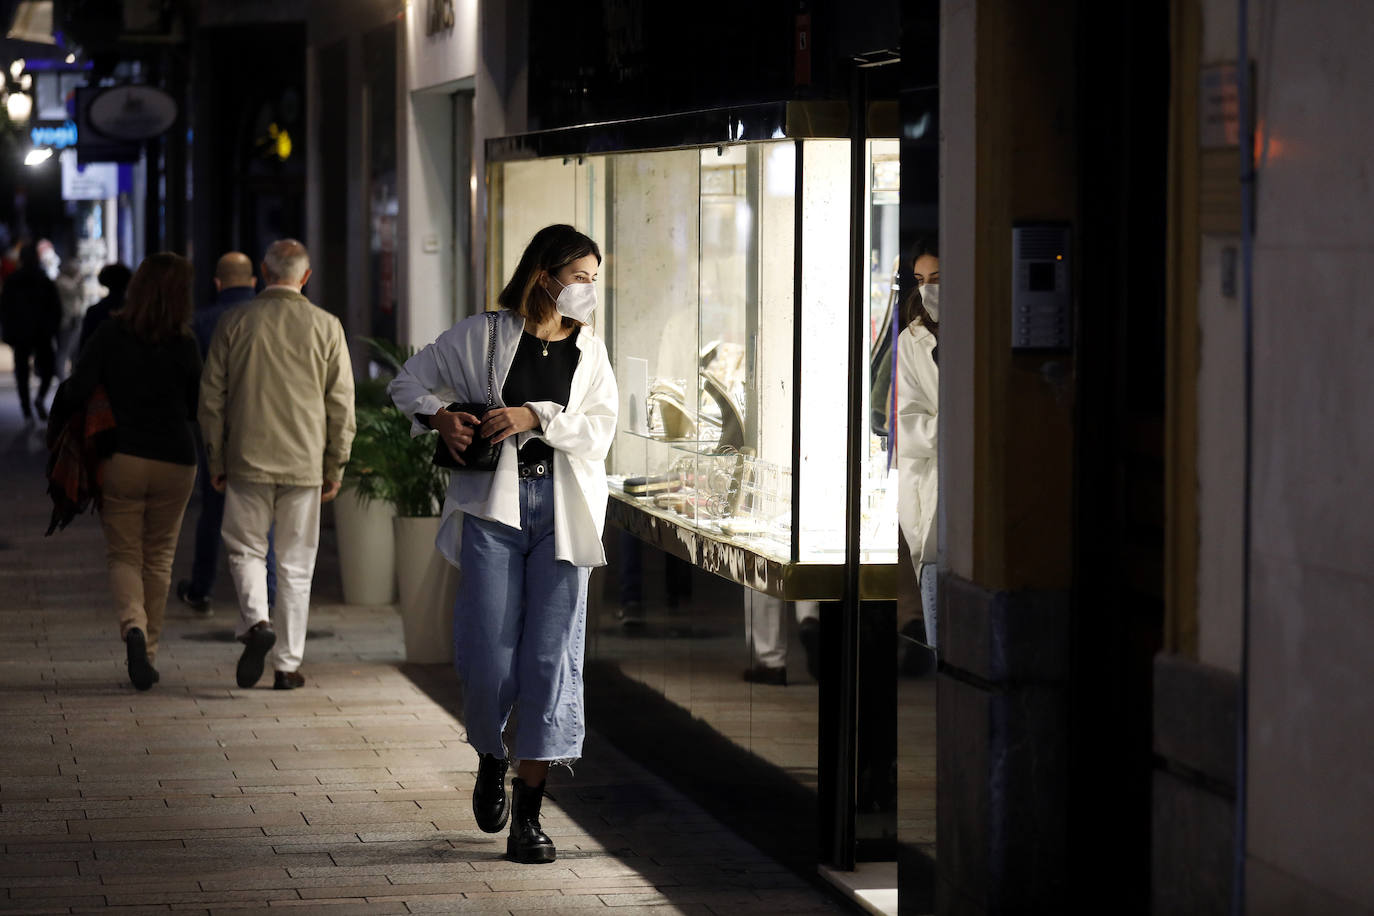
{"x": 367, "y": 549}
{"x": 428, "y": 586}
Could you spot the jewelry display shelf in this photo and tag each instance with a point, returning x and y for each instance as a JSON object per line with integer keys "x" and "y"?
{"x": 739, "y": 560}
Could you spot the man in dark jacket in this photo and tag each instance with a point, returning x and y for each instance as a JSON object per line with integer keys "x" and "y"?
{"x": 30, "y": 317}
{"x": 234, "y": 285}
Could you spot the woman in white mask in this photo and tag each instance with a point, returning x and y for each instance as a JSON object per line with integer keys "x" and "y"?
{"x": 526, "y": 534}
{"x": 918, "y": 406}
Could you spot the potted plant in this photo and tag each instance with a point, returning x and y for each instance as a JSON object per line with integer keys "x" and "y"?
{"x": 392, "y": 468}
{"x": 362, "y": 521}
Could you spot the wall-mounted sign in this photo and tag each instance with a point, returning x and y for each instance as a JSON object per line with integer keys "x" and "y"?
{"x": 56, "y": 136}
{"x": 132, "y": 112}
{"x": 53, "y": 93}
{"x": 440, "y": 17}
{"x": 91, "y": 144}
{"x": 96, "y": 181}
{"x": 1219, "y": 108}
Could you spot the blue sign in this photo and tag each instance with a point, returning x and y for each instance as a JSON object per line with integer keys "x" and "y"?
{"x": 56, "y": 136}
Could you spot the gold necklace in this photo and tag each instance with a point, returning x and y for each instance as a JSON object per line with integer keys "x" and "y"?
{"x": 546, "y": 345}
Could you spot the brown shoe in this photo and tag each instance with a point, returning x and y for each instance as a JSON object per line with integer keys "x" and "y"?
{"x": 288, "y": 680}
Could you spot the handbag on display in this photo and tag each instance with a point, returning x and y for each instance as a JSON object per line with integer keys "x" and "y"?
{"x": 481, "y": 454}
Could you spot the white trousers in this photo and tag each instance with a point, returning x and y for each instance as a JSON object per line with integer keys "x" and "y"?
{"x": 250, "y": 511}
{"x": 768, "y": 625}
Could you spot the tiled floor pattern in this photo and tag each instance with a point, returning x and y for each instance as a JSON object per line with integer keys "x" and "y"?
{"x": 350, "y": 795}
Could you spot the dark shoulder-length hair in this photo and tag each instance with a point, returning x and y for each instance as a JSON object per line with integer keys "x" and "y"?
{"x": 157, "y": 304}
{"x": 552, "y": 248}
{"x": 914, "y": 309}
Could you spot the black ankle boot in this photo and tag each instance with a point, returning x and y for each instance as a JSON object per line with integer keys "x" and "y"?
{"x": 489, "y": 803}
{"x": 141, "y": 672}
{"x": 528, "y": 843}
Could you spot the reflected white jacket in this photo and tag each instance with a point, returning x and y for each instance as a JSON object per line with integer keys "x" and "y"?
{"x": 454, "y": 368}
{"x": 918, "y": 406}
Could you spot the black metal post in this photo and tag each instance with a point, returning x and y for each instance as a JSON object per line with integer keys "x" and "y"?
{"x": 846, "y": 748}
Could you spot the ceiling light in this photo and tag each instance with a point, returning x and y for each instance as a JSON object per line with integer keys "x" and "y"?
{"x": 38, "y": 156}
{"x": 26, "y": 82}
{"x": 17, "y": 67}
{"x": 71, "y": 58}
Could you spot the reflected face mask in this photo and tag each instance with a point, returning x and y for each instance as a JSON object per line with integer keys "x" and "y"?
{"x": 930, "y": 298}
{"x": 576, "y": 300}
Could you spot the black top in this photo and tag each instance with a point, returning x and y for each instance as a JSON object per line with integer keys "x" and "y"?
{"x": 30, "y": 310}
{"x": 536, "y": 377}
{"x": 153, "y": 390}
{"x": 97, "y": 315}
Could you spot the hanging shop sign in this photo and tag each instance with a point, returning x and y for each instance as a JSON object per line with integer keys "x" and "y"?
{"x": 95, "y": 181}
{"x": 54, "y": 136}
{"x": 132, "y": 112}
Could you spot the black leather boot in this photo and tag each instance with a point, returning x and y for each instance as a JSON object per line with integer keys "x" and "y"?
{"x": 489, "y": 804}
{"x": 528, "y": 844}
{"x": 141, "y": 671}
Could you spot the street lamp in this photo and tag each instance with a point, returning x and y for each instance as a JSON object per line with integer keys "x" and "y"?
{"x": 19, "y": 106}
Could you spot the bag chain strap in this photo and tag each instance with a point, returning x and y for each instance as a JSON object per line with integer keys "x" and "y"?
{"x": 491, "y": 357}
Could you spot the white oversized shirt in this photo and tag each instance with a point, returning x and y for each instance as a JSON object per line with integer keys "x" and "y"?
{"x": 454, "y": 368}
{"x": 918, "y": 407}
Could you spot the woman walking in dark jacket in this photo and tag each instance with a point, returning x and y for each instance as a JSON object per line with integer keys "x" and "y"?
{"x": 31, "y": 315}
{"x": 149, "y": 364}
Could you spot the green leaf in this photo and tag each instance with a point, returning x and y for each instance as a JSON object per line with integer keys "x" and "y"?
{"x": 387, "y": 462}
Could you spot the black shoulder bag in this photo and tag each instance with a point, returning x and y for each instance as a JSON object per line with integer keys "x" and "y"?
{"x": 481, "y": 454}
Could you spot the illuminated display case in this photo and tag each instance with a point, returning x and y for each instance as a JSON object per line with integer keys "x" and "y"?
{"x": 725, "y": 304}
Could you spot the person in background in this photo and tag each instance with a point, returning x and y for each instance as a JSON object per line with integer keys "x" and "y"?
{"x": 677, "y": 582}
{"x": 149, "y": 366}
{"x": 9, "y": 262}
{"x": 767, "y": 635}
{"x": 115, "y": 278}
{"x": 30, "y": 316}
{"x": 48, "y": 259}
{"x": 234, "y": 285}
{"x": 71, "y": 290}
{"x": 918, "y": 406}
{"x": 527, "y": 534}
{"x": 276, "y": 409}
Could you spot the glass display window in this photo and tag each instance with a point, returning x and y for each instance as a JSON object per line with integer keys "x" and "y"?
{"x": 725, "y": 305}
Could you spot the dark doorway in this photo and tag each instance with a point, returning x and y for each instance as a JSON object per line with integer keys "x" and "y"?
{"x": 250, "y": 141}
{"x": 1118, "y": 619}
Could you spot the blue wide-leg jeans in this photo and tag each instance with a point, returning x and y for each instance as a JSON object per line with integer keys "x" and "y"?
{"x": 519, "y": 627}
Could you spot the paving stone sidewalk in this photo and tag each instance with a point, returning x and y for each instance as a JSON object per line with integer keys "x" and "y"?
{"x": 350, "y": 795}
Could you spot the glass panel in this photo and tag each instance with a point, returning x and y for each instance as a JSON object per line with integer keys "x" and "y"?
{"x": 651, "y": 276}
{"x": 526, "y": 197}
{"x": 825, "y": 330}
{"x": 744, "y": 345}
{"x": 878, "y": 530}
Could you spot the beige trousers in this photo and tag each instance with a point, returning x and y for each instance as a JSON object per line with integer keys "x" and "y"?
{"x": 142, "y": 503}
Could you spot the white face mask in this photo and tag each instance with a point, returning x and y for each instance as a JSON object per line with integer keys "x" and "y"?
{"x": 930, "y": 298}
{"x": 576, "y": 300}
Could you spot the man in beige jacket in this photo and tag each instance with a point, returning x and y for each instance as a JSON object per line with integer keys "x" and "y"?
{"x": 276, "y": 410}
